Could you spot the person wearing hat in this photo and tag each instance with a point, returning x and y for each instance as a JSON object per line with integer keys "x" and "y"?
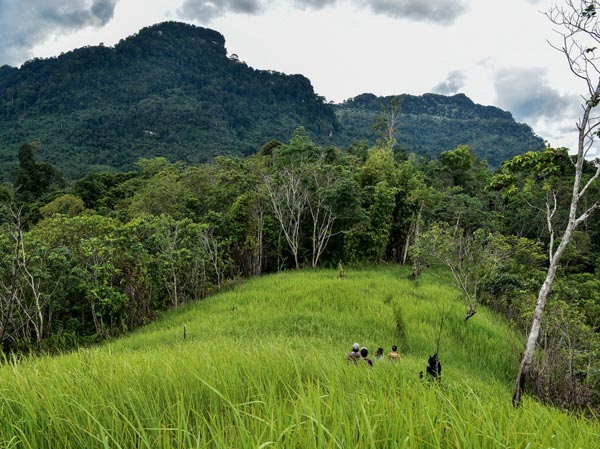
{"x": 354, "y": 355}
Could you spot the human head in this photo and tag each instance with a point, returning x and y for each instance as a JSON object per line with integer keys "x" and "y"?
{"x": 355, "y": 347}
{"x": 394, "y": 348}
{"x": 364, "y": 352}
{"x": 379, "y": 350}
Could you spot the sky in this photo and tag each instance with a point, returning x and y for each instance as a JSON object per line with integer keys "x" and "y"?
{"x": 495, "y": 52}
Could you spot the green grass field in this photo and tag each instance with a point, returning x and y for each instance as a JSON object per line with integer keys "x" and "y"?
{"x": 263, "y": 367}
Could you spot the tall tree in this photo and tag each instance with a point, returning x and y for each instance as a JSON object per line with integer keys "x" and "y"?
{"x": 577, "y": 24}
{"x": 33, "y": 179}
{"x": 472, "y": 258}
{"x": 289, "y": 199}
{"x": 333, "y": 200}
{"x": 386, "y": 125}
{"x": 9, "y": 267}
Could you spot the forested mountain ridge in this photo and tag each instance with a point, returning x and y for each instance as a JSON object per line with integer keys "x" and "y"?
{"x": 430, "y": 124}
{"x": 172, "y": 90}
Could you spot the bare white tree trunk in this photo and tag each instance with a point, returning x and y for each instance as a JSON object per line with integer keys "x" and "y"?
{"x": 259, "y": 247}
{"x": 8, "y": 292}
{"x": 416, "y": 261}
{"x": 391, "y": 118}
{"x": 289, "y": 198}
{"x": 168, "y": 247}
{"x": 211, "y": 247}
{"x": 323, "y": 217}
{"x": 580, "y": 26}
{"x": 407, "y": 243}
{"x": 35, "y": 317}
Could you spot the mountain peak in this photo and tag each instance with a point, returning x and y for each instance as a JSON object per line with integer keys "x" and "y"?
{"x": 170, "y": 90}
{"x": 174, "y": 37}
{"x": 181, "y": 31}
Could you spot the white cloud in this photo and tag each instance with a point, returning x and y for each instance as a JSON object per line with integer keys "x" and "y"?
{"x": 315, "y": 4}
{"x": 205, "y": 11}
{"x": 345, "y": 47}
{"x": 443, "y": 12}
{"x": 453, "y": 83}
{"x": 526, "y": 93}
{"x": 25, "y": 24}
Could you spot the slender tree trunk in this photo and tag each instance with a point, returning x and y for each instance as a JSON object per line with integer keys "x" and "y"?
{"x": 37, "y": 317}
{"x": 555, "y": 256}
{"x": 407, "y": 244}
{"x": 211, "y": 247}
{"x": 534, "y": 333}
{"x": 578, "y": 22}
{"x": 12, "y": 290}
{"x": 416, "y": 262}
{"x": 258, "y": 253}
{"x": 175, "y": 286}
{"x": 323, "y": 220}
{"x": 289, "y": 199}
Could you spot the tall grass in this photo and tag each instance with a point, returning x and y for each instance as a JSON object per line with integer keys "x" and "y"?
{"x": 263, "y": 367}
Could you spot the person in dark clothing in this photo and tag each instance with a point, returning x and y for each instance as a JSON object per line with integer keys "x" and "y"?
{"x": 434, "y": 368}
{"x": 364, "y": 352}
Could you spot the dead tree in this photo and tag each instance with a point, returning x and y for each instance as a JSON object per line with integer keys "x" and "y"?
{"x": 8, "y": 290}
{"x": 289, "y": 199}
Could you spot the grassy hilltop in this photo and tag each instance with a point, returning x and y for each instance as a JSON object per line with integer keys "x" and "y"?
{"x": 263, "y": 367}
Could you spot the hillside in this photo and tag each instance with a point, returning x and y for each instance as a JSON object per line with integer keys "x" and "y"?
{"x": 430, "y": 124}
{"x": 172, "y": 90}
{"x": 262, "y": 365}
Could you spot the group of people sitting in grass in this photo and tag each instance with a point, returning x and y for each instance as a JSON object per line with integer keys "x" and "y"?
{"x": 360, "y": 356}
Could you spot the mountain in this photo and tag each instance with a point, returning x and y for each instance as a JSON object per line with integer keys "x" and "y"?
{"x": 430, "y": 124}
{"x": 172, "y": 90}
{"x": 169, "y": 90}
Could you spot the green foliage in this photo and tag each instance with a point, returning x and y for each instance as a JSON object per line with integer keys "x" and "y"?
{"x": 102, "y": 191}
{"x": 263, "y": 365}
{"x": 473, "y": 258}
{"x": 457, "y": 163}
{"x": 545, "y": 166}
{"x": 169, "y": 90}
{"x": 34, "y": 179}
{"x": 432, "y": 124}
{"x": 115, "y": 249}
{"x": 164, "y": 192}
{"x": 379, "y": 167}
{"x": 299, "y": 150}
{"x": 526, "y": 183}
{"x": 66, "y": 204}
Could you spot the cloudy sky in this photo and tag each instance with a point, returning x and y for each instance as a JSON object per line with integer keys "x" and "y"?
{"x": 495, "y": 52}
